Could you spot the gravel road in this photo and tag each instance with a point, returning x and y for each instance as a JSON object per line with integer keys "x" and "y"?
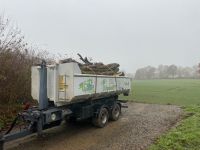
{"x": 138, "y": 127}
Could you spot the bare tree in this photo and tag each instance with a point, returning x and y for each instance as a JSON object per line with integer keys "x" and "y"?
{"x": 167, "y": 72}
{"x": 199, "y": 68}
{"x": 16, "y": 59}
{"x": 172, "y": 70}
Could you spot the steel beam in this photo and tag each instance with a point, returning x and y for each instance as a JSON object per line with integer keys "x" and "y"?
{"x": 16, "y": 135}
{"x": 43, "y": 100}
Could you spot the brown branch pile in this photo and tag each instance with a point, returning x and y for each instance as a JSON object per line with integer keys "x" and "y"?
{"x": 88, "y": 67}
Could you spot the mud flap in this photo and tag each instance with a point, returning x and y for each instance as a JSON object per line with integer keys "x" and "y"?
{"x": 123, "y": 103}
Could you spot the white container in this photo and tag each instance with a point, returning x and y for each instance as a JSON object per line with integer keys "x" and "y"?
{"x": 66, "y": 84}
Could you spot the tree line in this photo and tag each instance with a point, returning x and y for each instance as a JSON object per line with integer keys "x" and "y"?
{"x": 167, "y": 72}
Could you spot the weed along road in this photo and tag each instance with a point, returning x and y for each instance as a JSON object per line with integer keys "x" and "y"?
{"x": 138, "y": 127}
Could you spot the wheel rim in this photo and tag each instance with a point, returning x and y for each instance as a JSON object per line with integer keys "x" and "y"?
{"x": 103, "y": 117}
{"x": 116, "y": 111}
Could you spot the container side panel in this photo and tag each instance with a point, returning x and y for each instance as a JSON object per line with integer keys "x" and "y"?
{"x": 63, "y": 88}
{"x": 123, "y": 84}
{"x": 105, "y": 84}
{"x": 35, "y": 82}
{"x": 65, "y": 82}
{"x": 50, "y": 84}
{"x": 84, "y": 85}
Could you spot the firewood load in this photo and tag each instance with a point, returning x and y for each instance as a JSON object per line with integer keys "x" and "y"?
{"x": 88, "y": 67}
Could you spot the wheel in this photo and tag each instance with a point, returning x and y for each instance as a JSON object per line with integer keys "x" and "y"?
{"x": 71, "y": 120}
{"x": 102, "y": 118}
{"x": 115, "y": 112}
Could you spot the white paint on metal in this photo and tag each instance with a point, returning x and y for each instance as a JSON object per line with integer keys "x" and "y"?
{"x": 35, "y": 82}
{"x": 66, "y": 83}
{"x": 84, "y": 85}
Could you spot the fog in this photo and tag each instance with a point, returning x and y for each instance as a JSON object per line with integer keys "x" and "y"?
{"x": 134, "y": 33}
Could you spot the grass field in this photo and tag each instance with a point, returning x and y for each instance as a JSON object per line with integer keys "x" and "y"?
{"x": 185, "y": 93}
{"x": 179, "y": 92}
{"x": 185, "y": 136}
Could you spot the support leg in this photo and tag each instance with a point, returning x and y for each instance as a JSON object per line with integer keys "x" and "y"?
{"x": 39, "y": 127}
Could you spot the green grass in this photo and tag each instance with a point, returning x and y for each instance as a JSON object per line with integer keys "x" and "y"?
{"x": 179, "y": 92}
{"x": 186, "y": 136}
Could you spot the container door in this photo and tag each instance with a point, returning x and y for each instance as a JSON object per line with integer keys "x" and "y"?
{"x": 62, "y": 94}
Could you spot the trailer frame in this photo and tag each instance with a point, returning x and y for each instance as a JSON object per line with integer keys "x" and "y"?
{"x": 47, "y": 115}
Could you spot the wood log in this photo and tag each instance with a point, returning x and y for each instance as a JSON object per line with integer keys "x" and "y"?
{"x": 97, "y": 68}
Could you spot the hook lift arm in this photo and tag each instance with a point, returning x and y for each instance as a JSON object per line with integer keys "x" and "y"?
{"x": 39, "y": 118}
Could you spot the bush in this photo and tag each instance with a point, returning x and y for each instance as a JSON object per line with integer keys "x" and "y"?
{"x": 16, "y": 60}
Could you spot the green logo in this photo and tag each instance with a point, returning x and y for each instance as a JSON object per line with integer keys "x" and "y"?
{"x": 108, "y": 85}
{"x": 87, "y": 86}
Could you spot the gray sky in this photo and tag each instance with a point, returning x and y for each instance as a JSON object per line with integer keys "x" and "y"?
{"x": 134, "y": 33}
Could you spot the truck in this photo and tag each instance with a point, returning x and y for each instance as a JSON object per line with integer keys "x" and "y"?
{"x": 64, "y": 93}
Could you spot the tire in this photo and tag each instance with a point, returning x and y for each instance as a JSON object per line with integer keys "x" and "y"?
{"x": 102, "y": 118}
{"x": 115, "y": 112}
{"x": 71, "y": 121}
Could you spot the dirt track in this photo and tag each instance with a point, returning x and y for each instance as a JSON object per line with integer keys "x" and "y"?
{"x": 137, "y": 128}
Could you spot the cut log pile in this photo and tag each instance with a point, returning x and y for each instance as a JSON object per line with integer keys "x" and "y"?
{"x": 88, "y": 67}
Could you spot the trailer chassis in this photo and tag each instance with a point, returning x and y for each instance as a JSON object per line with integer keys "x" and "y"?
{"x": 46, "y": 115}
{"x": 38, "y": 120}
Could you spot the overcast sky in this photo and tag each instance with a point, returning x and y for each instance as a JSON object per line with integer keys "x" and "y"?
{"x": 134, "y": 33}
